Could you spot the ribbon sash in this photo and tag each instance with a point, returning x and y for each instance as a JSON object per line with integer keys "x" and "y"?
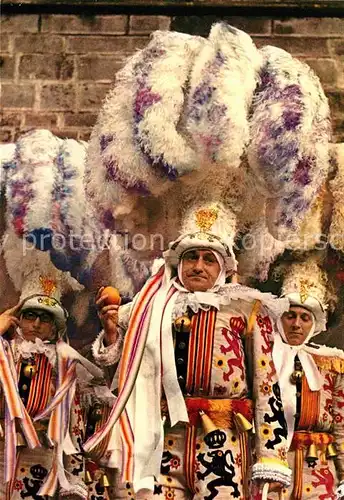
{"x": 14, "y": 409}
{"x": 133, "y": 349}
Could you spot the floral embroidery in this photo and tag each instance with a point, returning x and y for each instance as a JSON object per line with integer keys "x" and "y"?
{"x": 220, "y": 362}
{"x": 170, "y": 494}
{"x": 265, "y": 388}
{"x": 282, "y": 453}
{"x": 235, "y": 386}
{"x": 18, "y": 485}
{"x": 263, "y": 363}
{"x": 265, "y": 431}
{"x": 307, "y": 488}
{"x": 169, "y": 444}
{"x": 175, "y": 462}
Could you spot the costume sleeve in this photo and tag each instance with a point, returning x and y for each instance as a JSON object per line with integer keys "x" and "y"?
{"x": 338, "y": 430}
{"x": 270, "y": 424}
{"x": 110, "y": 355}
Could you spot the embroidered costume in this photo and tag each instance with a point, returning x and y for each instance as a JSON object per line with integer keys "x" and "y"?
{"x": 312, "y": 385}
{"x": 45, "y": 386}
{"x": 185, "y": 383}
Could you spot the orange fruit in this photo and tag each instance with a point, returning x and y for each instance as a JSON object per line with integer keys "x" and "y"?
{"x": 113, "y": 296}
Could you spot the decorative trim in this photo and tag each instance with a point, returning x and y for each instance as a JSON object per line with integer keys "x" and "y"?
{"x": 274, "y": 472}
{"x": 109, "y": 355}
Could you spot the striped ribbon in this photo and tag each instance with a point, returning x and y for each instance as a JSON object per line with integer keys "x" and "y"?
{"x": 310, "y": 407}
{"x": 200, "y": 352}
{"x": 189, "y": 457}
{"x": 40, "y": 385}
{"x": 134, "y": 344}
{"x": 127, "y": 437}
{"x": 14, "y": 409}
{"x": 58, "y": 428}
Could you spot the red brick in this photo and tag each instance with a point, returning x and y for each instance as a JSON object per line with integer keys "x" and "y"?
{"x": 326, "y": 70}
{"x": 54, "y": 67}
{"x": 115, "y": 25}
{"x": 33, "y": 44}
{"x": 19, "y": 23}
{"x": 91, "y": 95}
{"x": 303, "y": 46}
{"x": 94, "y": 67}
{"x": 80, "y": 119}
{"x": 109, "y": 44}
{"x": 18, "y": 95}
{"x": 5, "y": 42}
{"x": 38, "y": 120}
{"x": 65, "y": 133}
{"x": 201, "y": 25}
{"x": 10, "y": 119}
{"x": 338, "y": 47}
{"x": 251, "y": 25}
{"x": 7, "y": 67}
{"x": 312, "y": 26}
{"x": 140, "y": 25}
{"x": 57, "y": 96}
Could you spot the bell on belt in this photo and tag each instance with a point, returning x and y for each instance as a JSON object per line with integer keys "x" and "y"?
{"x": 104, "y": 481}
{"x": 30, "y": 370}
{"x": 88, "y": 477}
{"x": 241, "y": 422}
{"x": 296, "y": 376}
{"x": 312, "y": 453}
{"x": 20, "y": 440}
{"x": 331, "y": 451}
{"x": 183, "y": 324}
{"x": 207, "y": 423}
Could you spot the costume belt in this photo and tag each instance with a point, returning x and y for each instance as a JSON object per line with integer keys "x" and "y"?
{"x": 215, "y": 416}
{"x": 309, "y": 446}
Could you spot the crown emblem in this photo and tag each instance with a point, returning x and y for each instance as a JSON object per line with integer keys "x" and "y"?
{"x": 205, "y": 218}
{"x": 48, "y": 285}
{"x": 305, "y": 285}
{"x": 215, "y": 439}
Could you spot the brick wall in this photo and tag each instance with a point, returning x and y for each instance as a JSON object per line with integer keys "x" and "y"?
{"x": 56, "y": 69}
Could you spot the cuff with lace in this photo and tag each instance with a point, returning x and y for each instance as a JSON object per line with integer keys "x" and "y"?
{"x": 340, "y": 491}
{"x": 107, "y": 356}
{"x": 271, "y": 472}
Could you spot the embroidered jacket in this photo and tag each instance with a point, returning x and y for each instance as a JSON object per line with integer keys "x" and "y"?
{"x": 211, "y": 362}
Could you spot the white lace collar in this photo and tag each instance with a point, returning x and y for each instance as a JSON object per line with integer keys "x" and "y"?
{"x": 26, "y": 348}
{"x": 223, "y": 296}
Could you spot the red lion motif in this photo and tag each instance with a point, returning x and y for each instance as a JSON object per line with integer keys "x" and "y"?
{"x": 234, "y": 345}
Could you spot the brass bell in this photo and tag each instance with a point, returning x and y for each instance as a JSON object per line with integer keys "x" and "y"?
{"x": 183, "y": 324}
{"x": 20, "y": 440}
{"x": 296, "y": 376}
{"x": 207, "y": 423}
{"x": 88, "y": 477}
{"x": 312, "y": 453}
{"x": 331, "y": 451}
{"x": 241, "y": 422}
{"x": 30, "y": 370}
{"x": 104, "y": 481}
